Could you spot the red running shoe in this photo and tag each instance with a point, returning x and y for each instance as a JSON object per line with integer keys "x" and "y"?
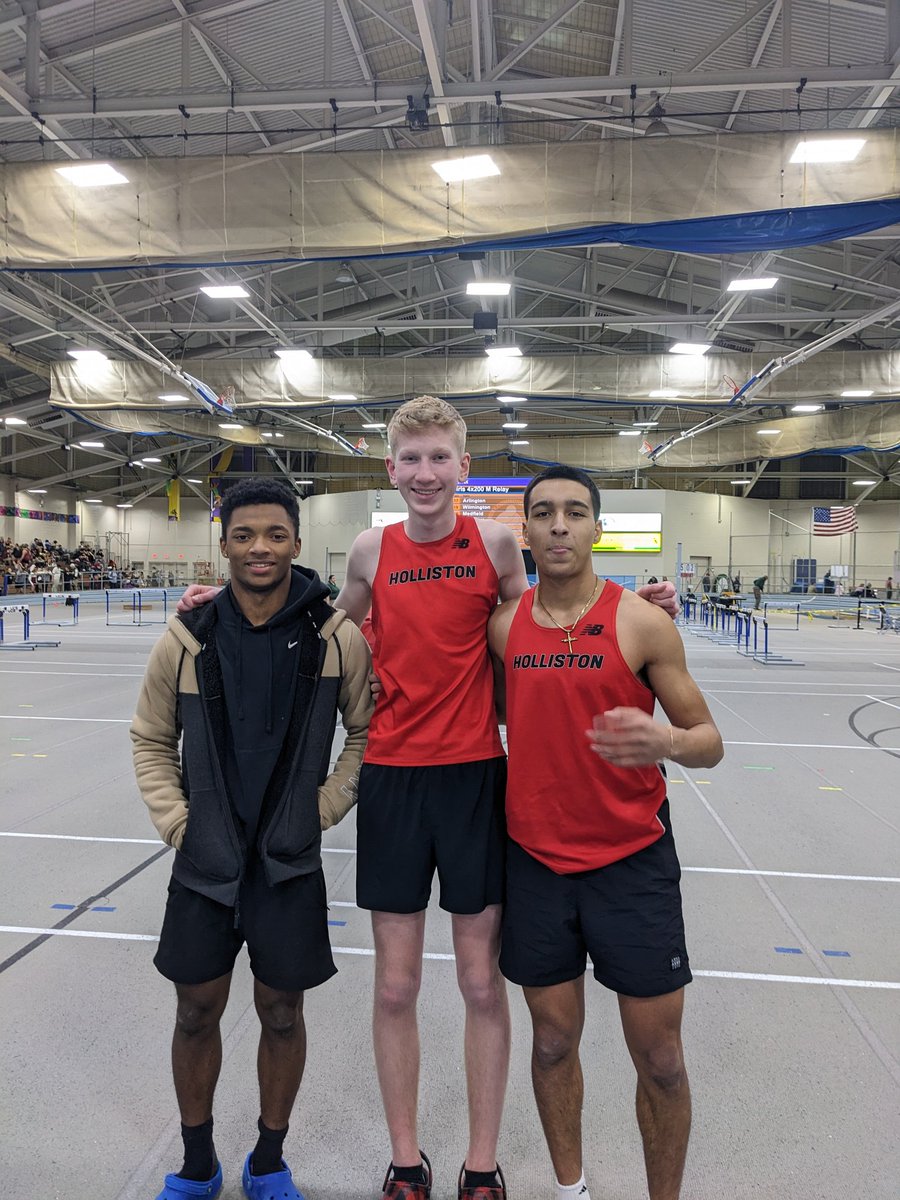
{"x": 399, "y": 1189}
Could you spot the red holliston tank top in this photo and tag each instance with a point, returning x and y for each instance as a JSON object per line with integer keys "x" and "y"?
{"x": 430, "y": 607}
{"x": 570, "y": 809}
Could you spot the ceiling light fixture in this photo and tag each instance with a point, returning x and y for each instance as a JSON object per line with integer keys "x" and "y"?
{"x": 657, "y": 126}
{"x": 290, "y": 355}
{"x": 304, "y": 482}
{"x": 91, "y": 445}
{"x": 807, "y": 408}
{"x": 857, "y": 393}
{"x": 768, "y": 432}
{"x": 485, "y": 287}
{"x": 629, "y": 433}
{"x": 37, "y": 491}
{"x": 762, "y": 284}
{"x": 736, "y": 482}
{"x": 690, "y": 348}
{"x": 644, "y": 424}
{"x": 93, "y": 501}
{"x": 864, "y": 482}
{"x": 512, "y": 399}
{"x": 88, "y": 356}
{"x": 827, "y": 150}
{"x": 171, "y": 397}
{"x": 124, "y": 506}
{"x": 15, "y": 421}
{"x": 229, "y": 425}
{"x": 194, "y": 481}
{"x": 268, "y": 435}
{"x": 374, "y": 425}
{"x": 503, "y": 351}
{"x": 348, "y": 396}
{"x": 281, "y": 435}
{"x": 151, "y": 460}
{"x": 345, "y": 274}
{"x": 515, "y": 424}
{"x": 225, "y": 291}
{"x": 92, "y": 175}
{"x": 472, "y": 166}
{"x": 663, "y": 394}
{"x": 519, "y": 442}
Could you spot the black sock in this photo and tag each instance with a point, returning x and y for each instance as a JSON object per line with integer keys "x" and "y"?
{"x": 266, "y": 1159}
{"x": 410, "y": 1174}
{"x": 199, "y": 1152}
{"x": 474, "y": 1179}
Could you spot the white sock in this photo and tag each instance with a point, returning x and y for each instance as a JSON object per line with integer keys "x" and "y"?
{"x": 573, "y": 1191}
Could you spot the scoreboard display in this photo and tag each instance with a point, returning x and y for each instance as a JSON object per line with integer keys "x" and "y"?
{"x": 501, "y": 500}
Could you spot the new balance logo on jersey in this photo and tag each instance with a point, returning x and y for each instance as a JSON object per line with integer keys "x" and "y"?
{"x": 460, "y": 544}
{"x": 591, "y": 630}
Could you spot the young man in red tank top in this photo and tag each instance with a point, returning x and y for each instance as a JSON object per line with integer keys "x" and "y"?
{"x": 592, "y": 868}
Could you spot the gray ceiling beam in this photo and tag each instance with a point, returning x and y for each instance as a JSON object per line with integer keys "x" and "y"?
{"x": 360, "y": 96}
{"x": 542, "y": 30}
{"x": 772, "y": 21}
{"x": 433, "y": 63}
{"x": 359, "y": 51}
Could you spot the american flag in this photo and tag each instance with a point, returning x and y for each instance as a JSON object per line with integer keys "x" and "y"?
{"x": 831, "y": 522}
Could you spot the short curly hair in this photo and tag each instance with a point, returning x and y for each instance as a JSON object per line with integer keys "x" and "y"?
{"x": 259, "y": 491}
{"x": 426, "y": 412}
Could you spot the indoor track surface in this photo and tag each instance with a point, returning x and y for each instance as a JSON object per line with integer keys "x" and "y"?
{"x": 791, "y": 857}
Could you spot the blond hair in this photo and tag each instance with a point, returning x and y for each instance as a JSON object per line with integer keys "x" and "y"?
{"x": 426, "y": 412}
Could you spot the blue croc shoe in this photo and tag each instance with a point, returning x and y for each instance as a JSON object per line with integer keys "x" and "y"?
{"x": 176, "y": 1188}
{"x": 279, "y": 1185}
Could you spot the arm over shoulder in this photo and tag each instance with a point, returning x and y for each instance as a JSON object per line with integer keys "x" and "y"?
{"x": 506, "y": 555}
{"x": 355, "y": 597}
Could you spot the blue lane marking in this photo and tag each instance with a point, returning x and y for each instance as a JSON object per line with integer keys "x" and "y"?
{"x": 788, "y": 950}
{"x": 836, "y": 953}
{"x": 339, "y": 923}
{"x": 96, "y": 908}
{"x": 67, "y": 907}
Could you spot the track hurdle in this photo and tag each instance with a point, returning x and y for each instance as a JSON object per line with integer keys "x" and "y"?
{"x": 69, "y": 600}
{"x": 138, "y": 603}
{"x": 760, "y": 651}
{"x": 26, "y": 643}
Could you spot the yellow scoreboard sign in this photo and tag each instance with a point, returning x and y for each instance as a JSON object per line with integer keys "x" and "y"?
{"x": 630, "y": 533}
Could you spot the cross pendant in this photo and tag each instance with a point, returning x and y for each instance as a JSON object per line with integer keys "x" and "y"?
{"x": 568, "y": 638}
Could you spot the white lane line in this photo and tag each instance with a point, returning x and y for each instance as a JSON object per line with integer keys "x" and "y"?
{"x": 804, "y": 745}
{"x": 862, "y": 694}
{"x": 79, "y": 674}
{"x": 793, "y": 874}
{"x": 79, "y": 837}
{"x": 886, "y": 667}
{"x": 878, "y": 700}
{"x": 366, "y": 952}
{"x": 94, "y": 720}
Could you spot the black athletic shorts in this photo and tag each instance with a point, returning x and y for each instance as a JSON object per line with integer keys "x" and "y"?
{"x": 626, "y": 916}
{"x": 285, "y": 928}
{"x": 411, "y": 820}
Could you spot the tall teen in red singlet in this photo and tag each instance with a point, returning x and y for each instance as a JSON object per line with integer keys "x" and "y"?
{"x": 431, "y": 786}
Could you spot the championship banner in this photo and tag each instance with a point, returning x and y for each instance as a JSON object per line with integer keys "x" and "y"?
{"x": 173, "y": 495}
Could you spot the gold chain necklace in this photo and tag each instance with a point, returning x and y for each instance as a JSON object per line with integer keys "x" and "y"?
{"x": 567, "y": 630}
